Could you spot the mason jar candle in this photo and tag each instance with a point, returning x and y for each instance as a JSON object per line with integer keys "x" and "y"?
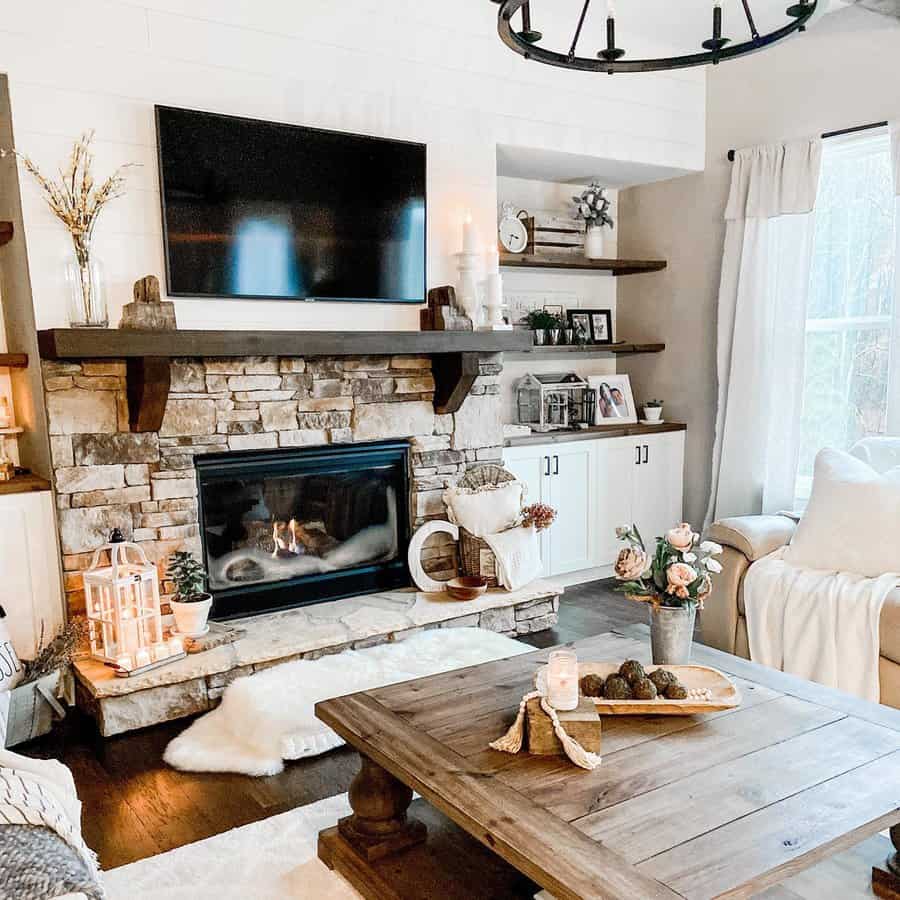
{"x": 562, "y": 680}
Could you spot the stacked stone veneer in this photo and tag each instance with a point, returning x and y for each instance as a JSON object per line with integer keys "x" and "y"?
{"x": 144, "y": 484}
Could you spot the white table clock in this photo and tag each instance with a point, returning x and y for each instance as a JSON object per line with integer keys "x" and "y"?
{"x": 511, "y": 230}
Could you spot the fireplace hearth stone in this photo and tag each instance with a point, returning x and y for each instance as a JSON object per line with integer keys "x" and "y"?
{"x": 196, "y": 683}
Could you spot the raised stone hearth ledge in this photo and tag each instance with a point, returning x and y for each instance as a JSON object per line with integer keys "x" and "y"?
{"x": 196, "y": 684}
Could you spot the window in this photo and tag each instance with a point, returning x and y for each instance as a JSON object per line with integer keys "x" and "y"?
{"x": 851, "y": 327}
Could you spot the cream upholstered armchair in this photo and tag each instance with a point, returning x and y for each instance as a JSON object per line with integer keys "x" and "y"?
{"x": 749, "y": 538}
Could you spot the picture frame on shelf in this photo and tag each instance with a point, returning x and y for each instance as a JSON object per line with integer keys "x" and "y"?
{"x": 615, "y": 399}
{"x": 601, "y": 326}
{"x": 580, "y": 323}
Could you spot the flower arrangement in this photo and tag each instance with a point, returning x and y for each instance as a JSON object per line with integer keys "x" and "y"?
{"x": 538, "y": 514}
{"x": 679, "y": 572}
{"x": 540, "y": 319}
{"x": 593, "y": 207}
{"x": 77, "y": 201}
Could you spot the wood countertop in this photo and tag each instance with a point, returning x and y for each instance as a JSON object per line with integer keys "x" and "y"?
{"x": 587, "y": 434}
{"x": 24, "y": 484}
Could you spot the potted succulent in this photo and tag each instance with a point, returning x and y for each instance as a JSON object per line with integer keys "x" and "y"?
{"x": 653, "y": 410}
{"x": 593, "y": 208}
{"x": 546, "y": 326}
{"x": 191, "y": 603}
{"x": 674, "y": 581}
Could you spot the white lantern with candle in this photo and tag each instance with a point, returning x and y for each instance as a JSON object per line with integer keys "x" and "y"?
{"x": 122, "y": 600}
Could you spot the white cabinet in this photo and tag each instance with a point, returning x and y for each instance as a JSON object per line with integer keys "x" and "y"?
{"x": 29, "y": 563}
{"x": 596, "y": 485}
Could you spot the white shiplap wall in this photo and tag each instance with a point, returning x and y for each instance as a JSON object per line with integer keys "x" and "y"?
{"x": 423, "y": 70}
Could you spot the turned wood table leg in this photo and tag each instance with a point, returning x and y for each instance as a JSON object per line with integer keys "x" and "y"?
{"x": 886, "y": 881}
{"x": 379, "y": 825}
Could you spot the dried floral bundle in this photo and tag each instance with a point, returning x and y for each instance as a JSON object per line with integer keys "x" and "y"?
{"x": 538, "y": 514}
{"x": 58, "y": 654}
{"x": 74, "y": 198}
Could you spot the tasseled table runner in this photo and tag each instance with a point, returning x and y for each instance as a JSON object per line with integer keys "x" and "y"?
{"x": 511, "y": 742}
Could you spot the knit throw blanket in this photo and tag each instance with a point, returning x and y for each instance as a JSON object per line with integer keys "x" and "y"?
{"x": 42, "y": 852}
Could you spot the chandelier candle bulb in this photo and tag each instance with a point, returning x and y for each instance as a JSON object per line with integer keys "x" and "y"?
{"x": 562, "y": 679}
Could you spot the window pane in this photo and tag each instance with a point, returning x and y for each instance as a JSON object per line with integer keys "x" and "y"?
{"x": 849, "y": 318}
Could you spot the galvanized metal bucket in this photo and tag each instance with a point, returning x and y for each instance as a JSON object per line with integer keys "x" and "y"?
{"x": 671, "y": 634}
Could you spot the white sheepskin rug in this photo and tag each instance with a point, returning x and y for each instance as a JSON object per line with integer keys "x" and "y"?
{"x": 269, "y": 717}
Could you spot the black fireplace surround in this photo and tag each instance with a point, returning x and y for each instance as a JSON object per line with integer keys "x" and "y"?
{"x": 292, "y": 527}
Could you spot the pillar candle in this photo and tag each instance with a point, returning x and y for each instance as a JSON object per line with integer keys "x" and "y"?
{"x": 470, "y": 236}
{"x": 562, "y": 680}
{"x": 493, "y": 261}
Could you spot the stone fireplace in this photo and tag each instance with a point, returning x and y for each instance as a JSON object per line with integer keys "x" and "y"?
{"x": 146, "y": 483}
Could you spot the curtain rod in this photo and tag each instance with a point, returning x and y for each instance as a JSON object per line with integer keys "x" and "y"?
{"x": 838, "y": 133}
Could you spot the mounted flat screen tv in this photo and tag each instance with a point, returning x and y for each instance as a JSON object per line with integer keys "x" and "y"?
{"x": 261, "y": 210}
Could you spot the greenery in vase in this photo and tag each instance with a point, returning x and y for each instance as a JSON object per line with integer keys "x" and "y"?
{"x": 189, "y": 577}
{"x": 653, "y": 404}
{"x": 540, "y": 319}
{"x": 679, "y": 573}
{"x": 593, "y": 207}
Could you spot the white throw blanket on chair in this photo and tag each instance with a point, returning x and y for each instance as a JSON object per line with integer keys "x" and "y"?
{"x": 818, "y": 625}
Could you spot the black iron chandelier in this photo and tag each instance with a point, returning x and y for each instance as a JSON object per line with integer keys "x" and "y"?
{"x": 526, "y": 40}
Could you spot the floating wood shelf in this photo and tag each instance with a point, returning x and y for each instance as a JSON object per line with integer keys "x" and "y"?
{"x": 13, "y": 360}
{"x": 455, "y": 355}
{"x": 576, "y": 261}
{"x": 592, "y": 350}
{"x": 6, "y": 232}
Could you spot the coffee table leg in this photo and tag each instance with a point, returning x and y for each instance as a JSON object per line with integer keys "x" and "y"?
{"x": 886, "y": 882}
{"x": 379, "y": 825}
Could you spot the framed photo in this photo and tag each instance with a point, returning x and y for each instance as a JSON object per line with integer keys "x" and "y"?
{"x": 615, "y": 401}
{"x": 601, "y": 326}
{"x": 580, "y": 323}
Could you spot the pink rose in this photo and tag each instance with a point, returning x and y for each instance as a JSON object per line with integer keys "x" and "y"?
{"x": 681, "y": 537}
{"x": 632, "y": 562}
{"x": 680, "y": 576}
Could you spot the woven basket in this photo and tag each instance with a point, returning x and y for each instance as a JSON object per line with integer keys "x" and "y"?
{"x": 475, "y": 556}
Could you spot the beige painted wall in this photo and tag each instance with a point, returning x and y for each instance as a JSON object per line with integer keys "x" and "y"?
{"x": 844, "y": 72}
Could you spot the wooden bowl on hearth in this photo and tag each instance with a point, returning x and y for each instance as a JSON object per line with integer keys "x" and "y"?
{"x": 466, "y": 587}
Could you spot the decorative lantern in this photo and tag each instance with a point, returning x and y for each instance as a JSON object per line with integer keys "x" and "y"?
{"x": 123, "y": 610}
{"x": 546, "y": 402}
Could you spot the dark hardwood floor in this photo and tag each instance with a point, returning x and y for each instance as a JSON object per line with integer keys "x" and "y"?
{"x": 136, "y": 806}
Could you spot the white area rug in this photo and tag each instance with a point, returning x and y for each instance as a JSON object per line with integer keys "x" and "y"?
{"x": 274, "y": 859}
{"x": 269, "y": 717}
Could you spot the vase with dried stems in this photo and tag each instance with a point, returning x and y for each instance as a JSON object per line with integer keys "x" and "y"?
{"x": 77, "y": 202}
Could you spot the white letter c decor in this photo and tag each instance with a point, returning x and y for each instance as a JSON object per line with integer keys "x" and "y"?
{"x": 413, "y": 556}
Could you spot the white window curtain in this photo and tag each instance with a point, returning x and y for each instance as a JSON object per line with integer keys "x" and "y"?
{"x": 893, "y": 410}
{"x": 761, "y": 327}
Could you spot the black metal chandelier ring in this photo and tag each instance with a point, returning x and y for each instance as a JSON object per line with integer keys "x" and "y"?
{"x": 609, "y": 59}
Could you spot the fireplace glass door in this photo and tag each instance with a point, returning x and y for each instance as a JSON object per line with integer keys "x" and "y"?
{"x": 291, "y": 527}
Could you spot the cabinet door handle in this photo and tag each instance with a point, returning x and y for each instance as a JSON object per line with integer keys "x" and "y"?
{"x": 547, "y": 466}
{"x": 637, "y": 460}
{"x": 556, "y": 465}
{"x": 646, "y": 453}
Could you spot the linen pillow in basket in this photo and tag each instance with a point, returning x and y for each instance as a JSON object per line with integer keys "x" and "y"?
{"x": 487, "y": 509}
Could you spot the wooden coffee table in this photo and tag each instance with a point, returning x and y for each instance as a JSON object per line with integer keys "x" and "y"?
{"x": 724, "y": 804}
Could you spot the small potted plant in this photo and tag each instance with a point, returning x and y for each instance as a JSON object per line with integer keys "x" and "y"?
{"x": 675, "y": 581}
{"x": 191, "y": 603}
{"x": 593, "y": 208}
{"x": 653, "y": 410}
{"x": 545, "y": 325}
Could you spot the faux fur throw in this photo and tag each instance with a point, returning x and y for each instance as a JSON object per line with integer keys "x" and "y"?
{"x": 269, "y": 717}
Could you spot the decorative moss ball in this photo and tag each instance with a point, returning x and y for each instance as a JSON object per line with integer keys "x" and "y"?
{"x": 644, "y": 689}
{"x": 618, "y": 688}
{"x": 662, "y": 678}
{"x": 591, "y": 685}
{"x": 676, "y": 691}
{"x": 631, "y": 670}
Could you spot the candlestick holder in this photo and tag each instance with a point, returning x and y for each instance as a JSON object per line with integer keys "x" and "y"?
{"x": 467, "y": 263}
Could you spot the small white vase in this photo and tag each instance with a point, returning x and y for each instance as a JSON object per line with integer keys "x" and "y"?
{"x": 652, "y": 413}
{"x": 190, "y": 618}
{"x": 593, "y": 242}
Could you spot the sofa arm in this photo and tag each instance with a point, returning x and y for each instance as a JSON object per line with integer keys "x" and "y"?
{"x": 753, "y": 536}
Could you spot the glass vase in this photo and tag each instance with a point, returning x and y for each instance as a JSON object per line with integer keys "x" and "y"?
{"x": 87, "y": 293}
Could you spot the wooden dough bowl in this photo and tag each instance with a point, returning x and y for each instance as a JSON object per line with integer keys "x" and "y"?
{"x": 724, "y": 694}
